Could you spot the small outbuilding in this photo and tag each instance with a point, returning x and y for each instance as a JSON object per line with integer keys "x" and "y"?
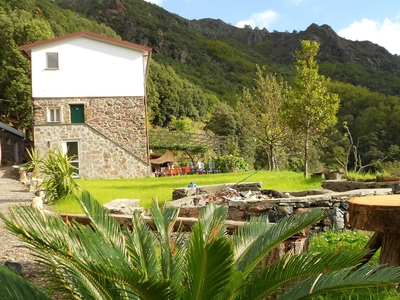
{"x": 11, "y": 145}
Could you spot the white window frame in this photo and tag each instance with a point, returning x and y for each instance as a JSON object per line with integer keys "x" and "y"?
{"x": 52, "y": 62}
{"x": 78, "y": 160}
{"x": 52, "y": 115}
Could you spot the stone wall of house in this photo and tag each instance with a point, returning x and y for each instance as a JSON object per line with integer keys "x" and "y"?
{"x": 100, "y": 157}
{"x": 121, "y": 119}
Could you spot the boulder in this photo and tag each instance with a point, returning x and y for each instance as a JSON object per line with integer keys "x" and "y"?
{"x": 123, "y": 206}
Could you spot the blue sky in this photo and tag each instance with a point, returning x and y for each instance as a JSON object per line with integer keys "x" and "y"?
{"x": 373, "y": 20}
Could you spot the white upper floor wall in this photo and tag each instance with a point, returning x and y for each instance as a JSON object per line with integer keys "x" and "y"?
{"x": 89, "y": 65}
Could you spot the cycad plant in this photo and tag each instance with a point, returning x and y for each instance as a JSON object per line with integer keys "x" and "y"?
{"x": 58, "y": 174}
{"x": 107, "y": 261}
{"x": 34, "y": 163}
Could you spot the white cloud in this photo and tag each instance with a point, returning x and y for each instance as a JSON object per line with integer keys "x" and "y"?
{"x": 385, "y": 34}
{"x": 158, "y": 2}
{"x": 261, "y": 20}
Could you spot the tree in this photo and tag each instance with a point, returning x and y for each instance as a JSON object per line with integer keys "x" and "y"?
{"x": 105, "y": 261}
{"x": 171, "y": 96}
{"x": 224, "y": 121}
{"x": 311, "y": 109}
{"x": 260, "y": 111}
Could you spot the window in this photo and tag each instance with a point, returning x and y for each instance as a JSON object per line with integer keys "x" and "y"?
{"x": 52, "y": 60}
{"x": 54, "y": 114}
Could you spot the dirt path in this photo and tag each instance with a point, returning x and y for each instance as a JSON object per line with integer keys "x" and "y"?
{"x": 12, "y": 192}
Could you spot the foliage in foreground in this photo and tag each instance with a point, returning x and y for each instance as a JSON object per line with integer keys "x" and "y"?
{"x": 56, "y": 170}
{"x": 105, "y": 261}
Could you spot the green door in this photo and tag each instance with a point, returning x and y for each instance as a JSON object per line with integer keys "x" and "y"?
{"x": 77, "y": 113}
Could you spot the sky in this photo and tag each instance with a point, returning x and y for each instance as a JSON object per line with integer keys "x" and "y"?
{"x": 372, "y": 20}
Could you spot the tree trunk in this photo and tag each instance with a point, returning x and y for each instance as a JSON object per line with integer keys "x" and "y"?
{"x": 271, "y": 158}
{"x": 390, "y": 253}
{"x": 306, "y": 155}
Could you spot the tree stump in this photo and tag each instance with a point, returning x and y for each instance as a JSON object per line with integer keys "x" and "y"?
{"x": 380, "y": 214}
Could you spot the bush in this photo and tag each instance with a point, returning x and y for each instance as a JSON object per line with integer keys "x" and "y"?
{"x": 33, "y": 166}
{"x": 230, "y": 163}
{"x": 365, "y": 177}
{"x": 58, "y": 171}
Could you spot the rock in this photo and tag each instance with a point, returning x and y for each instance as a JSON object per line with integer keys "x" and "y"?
{"x": 35, "y": 184}
{"x": 123, "y": 206}
{"x": 13, "y": 266}
{"x": 37, "y": 203}
{"x": 337, "y": 218}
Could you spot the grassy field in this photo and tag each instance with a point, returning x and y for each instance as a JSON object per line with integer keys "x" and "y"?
{"x": 146, "y": 189}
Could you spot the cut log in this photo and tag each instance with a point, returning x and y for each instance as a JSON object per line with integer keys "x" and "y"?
{"x": 380, "y": 214}
{"x": 375, "y": 213}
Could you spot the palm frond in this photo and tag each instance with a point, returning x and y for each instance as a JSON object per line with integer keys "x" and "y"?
{"x": 213, "y": 221}
{"x": 292, "y": 268}
{"x": 345, "y": 279}
{"x": 82, "y": 258}
{"x": 274, "y": 235}
{"x": 144, "y": 248}
{"x": 171, "y": 245}
{"x": 13, "y": 286}
{"x": 210, "y": 266}
{"x": 100, "y": 219}
{"x": 248, "y": 233}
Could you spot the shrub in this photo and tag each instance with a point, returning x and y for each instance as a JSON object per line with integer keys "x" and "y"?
{"x": 230, "y": 163}
{"x": 35, "y": 162}
{"x": 58, "y": 171}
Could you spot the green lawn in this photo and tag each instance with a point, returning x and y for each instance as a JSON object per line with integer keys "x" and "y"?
{"x": 146, "y": 189}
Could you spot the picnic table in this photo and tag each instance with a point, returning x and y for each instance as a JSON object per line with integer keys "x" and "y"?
{"x": 380, "y": 214}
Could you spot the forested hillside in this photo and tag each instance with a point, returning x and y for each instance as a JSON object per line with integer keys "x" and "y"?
{"x": 198, "y": 64}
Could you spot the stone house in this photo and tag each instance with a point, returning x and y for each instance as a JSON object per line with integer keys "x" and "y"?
{"x": 89, "y": 99}
{"x": 11, "y": 145}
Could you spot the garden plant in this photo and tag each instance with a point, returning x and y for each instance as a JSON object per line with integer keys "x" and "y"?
{"x": 107, "y": 261}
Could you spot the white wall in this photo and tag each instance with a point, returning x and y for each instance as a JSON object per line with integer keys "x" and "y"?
{"x": 87, "y": 68}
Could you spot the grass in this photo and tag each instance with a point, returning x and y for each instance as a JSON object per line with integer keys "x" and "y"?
{"x": 147, "y": 189}
{"x": 350, "y": 239}
{"x": 366, "y": 177}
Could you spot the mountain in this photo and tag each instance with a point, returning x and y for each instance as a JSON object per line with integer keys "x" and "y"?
{"x": 222, "y": 57}
{"x": 199, "y": 63}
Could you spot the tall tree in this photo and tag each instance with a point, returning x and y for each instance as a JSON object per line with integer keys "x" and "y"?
{"x": 260, "y": 110}
{"x": 18, "y": 27}
{"x": 311, "y": 108}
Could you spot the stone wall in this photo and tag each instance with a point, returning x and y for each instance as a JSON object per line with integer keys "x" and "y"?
{"x": 121, "y": 119}
{"x": 113, "y": 145}
{"x": 277, "y": 208}
{"x": 345, "y": 185}
{"x": 99, "y": 157}
{"x": 213, "y": 189}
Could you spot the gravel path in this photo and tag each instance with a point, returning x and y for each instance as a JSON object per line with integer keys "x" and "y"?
{"x": 12, "y": 192}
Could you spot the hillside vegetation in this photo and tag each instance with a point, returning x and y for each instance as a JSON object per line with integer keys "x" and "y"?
{"x": 198, "y": 64}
